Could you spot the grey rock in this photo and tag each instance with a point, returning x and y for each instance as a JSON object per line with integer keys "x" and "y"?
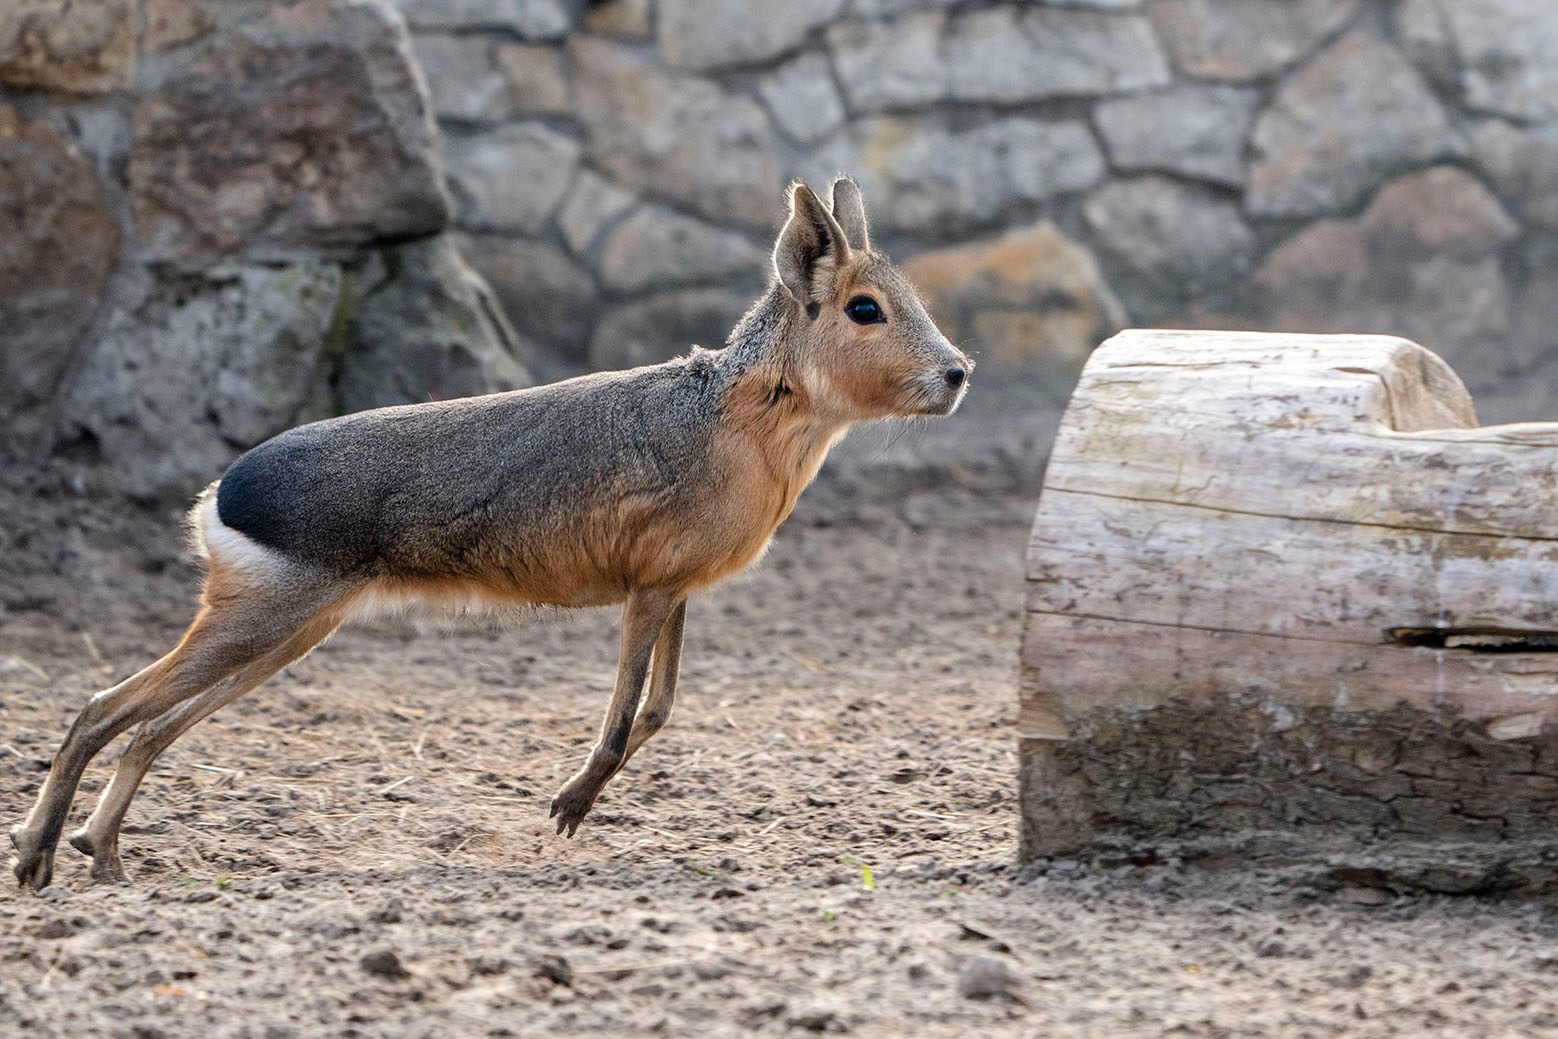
{"x": 592, "y": 204}
{"x": 1507, "y": 49}
{"x": 1424, "y": 261}
{"x": 700, "y": 34}
{"x": 306, "y": 127}
{"x": 1244, "y": 39}
{"x": 75, "y": 46}
{"x": 665, "y": 326}
{"x": 191, "y": 369}
{"x": 677, "y": 134}
{"x": 384, "y": 963}
{"x": 547, "y": 297}
{"x": 426, "y": 328}
{"x": 987, "y": 977}
{"x": 475, "y": 79}
{"x": 510, "y": 178}
{"x": 59, "y": 244}
{"x": 658, "y": 248}
{"x": 928, "y": 177}
{"x": 890, "y": 64}
{"x": 528, "y": 19}
{"x": 1171, "y": 241}
{"x": 1190, "y": 129}
{"x": 1351, "y": 117}
{"x": 1024, "y": 54}
{"x": 802, "y": 98}
{"x": 1523, "y": 165}
{"x": 460, "y": 76}
{"x": 534, "y": 79}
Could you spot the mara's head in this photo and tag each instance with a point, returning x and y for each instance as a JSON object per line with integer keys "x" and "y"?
{"x": 859, "y": 339}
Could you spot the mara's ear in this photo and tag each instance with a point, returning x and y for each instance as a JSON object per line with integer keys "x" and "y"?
{"x": 849, "y": 209}
{"x": 810, "y": 238}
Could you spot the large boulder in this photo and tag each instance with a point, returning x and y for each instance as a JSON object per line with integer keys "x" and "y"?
{"x": 59, "y": 245}
{"x": 73, "y": 46}
{"x": 1350, "y": 118}
{"x": 191, "y": 368}
{"x": 1424, "y": 260}
{"x": 427, "y": 328}
{"x": 304, "y": 127}
{"x": 269, "y": 250}
{"x": 676, "y": 134}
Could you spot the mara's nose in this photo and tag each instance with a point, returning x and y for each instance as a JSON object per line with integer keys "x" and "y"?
{"x": 955, "y": 377}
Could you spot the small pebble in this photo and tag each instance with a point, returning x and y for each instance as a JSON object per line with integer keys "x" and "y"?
{"x": 385, "y": 964}
{"x": 555, "y": 969}
{"x": 986, "y": 977}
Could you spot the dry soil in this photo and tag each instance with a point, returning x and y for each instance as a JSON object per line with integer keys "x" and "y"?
{"x": 823, "y": 841}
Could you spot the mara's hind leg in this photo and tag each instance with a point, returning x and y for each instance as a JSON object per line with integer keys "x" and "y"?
{"x": 99, "y": 836}
{"x": 247, "y": 615}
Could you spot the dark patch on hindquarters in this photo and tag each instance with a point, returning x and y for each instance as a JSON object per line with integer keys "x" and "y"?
{"x": 246, "y": 499}
{"x": 295, "y": 494}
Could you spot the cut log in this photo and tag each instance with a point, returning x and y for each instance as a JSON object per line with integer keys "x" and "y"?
{"x": 1285, "y": 582}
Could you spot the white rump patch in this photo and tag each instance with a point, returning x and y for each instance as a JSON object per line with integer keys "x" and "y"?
{"x": 213, "y": 539}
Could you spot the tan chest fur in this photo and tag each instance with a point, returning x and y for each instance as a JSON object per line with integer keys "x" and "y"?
{"x": 765, "y": 455}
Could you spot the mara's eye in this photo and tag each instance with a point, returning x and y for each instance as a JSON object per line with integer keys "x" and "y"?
{"x": 863, "y": 310}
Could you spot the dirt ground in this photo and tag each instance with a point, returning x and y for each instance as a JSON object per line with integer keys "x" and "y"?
{"x": 823, "y": 841}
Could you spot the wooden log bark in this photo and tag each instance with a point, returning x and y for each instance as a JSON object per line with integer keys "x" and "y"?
{"x": 1282, "y": 581}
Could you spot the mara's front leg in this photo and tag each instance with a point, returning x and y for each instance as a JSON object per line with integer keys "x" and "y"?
{"x": 664, "y": 668}
{"x": 643, "y": 618}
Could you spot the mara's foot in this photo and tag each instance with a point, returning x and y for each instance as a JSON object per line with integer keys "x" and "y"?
{"x": 106, "y": 867}
{"x": 573, "y": 803}
{"x": 33, "y": 862}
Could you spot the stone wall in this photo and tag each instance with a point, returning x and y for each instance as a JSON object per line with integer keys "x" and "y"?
{"x": 222, "y": 217}
{"x": 1051, "y": 171}
{"x": 219, "y": 218}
